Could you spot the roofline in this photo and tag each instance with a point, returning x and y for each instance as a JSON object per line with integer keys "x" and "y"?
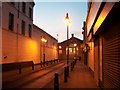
{"x": 69, "y": 39}
{"x": 44, "y": 32}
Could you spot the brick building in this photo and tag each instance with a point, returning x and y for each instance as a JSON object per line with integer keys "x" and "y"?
{"x": 75, "y": 50}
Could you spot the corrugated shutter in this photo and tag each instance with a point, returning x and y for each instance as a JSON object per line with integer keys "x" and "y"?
{"x": 111, "y": 57}
{"x": 96, "y": 60}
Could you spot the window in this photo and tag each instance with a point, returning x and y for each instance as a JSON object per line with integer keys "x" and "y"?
{"x": 60, "y": 51}
{"x": 30, "y": 13}
{"x": 23, "y": 27}
{"x": 66, "y": 51}
{"x": 23, "y": 7}
{"x": 70, "y": 51}
{"x": 11, "y": 21}
{"x": 13, "y": 3}
{"x": 18, "y": 8}
{"x": 29, "y": 30}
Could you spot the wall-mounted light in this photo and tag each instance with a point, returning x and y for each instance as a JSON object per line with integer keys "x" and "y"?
{"x": 60, "y": 47}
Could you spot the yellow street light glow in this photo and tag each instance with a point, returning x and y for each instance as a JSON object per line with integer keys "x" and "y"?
{"x": 55, "y": 47}
{"x": 67, "y": 20}
{"x": 43, "y": 40}
{"x": 60, "y": 47}
{"x": 75, "y": 45}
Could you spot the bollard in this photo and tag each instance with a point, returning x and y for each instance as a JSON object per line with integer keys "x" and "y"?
{"x": 41, "y": 64}
{"x": 19, "y": 69}
{"x": 71, "y": 66}
{"x": 79, "y": 58}
{"x": 65, "y": 74}
{"x": 32, "y": 66}
{"x": 47, "y": 63}
{"x": 67, "y": 71}
{"x": 51, "y": 61}
{"x": 44, "y": 63}
{"x": 56, "y": 82}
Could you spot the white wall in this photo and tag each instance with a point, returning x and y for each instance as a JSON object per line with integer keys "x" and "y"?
{"x": 17, "y": 47}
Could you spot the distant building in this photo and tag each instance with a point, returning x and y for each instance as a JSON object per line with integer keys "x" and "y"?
{"x": 75, "y": 50}
{"x": 102, "y": 43}
{"x": 21, "y": 39}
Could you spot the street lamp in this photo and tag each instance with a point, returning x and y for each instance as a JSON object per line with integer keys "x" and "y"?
{"x": 44, "y": 42}
{"x": 75, "y": 50}
{"x": 67, "y": 21}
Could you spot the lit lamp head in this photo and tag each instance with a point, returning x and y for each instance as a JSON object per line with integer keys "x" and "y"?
{"x": 67, "y": 20}
{"x": 75, "y": 45}
{"x": 43, "y": 40}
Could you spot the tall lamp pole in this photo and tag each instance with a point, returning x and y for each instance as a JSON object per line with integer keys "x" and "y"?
{"x": 43, "y": 42}
{"x": 67, "y": 20}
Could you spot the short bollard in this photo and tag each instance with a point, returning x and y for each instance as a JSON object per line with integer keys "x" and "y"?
{"x": 47, "y": 63}
{"x": 65, "y": 74}
{"x": 71, "y": 66}
{"x": 51, "y": 61}
{"x": 32, "y": 66}
{"x": 44, "y": 63}
{"x": 41, "y": 64}
{"x": 19, "y": 69}
{"x": 67, "y": 71}
{"x": 56, "y": 82}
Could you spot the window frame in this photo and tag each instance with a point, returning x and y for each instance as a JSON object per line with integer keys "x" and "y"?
{"x": 23, "y": 27}
{"x": 23, "y": 7}
{"x": 30, "y": 12}
{"x": 11, "y": 21}
{"x": 29, "y": 30}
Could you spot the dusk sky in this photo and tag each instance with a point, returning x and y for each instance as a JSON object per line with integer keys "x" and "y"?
{"x": 50, "y": 17}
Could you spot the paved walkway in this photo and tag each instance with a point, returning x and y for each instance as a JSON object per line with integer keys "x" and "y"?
{"x": 13, "y": 79}
{"x": 80, "y": 77}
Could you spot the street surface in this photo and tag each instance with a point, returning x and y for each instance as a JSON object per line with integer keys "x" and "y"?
{"x": 34, "y": 79}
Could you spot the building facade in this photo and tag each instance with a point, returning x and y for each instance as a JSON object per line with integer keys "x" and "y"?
{"x": 21, "y": 39}
{"x": 75, "y": 51}
{"x": 48, "y": 49}
{"x": 102, "y": 42}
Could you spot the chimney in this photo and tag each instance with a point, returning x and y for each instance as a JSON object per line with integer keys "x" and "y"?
{"x": 72, "y": 35}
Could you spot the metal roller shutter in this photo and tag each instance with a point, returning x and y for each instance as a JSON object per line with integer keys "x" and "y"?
{"x": 111, "y": 57}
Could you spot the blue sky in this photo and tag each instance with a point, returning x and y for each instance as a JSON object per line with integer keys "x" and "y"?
{"x": 50, "y": 16}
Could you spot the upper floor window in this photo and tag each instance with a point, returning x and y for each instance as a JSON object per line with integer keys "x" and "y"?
{"x": 29, "y": 30}
{"x": 23, "y": 27}
{"x": 23, "y": 7}
{"x": 13, "y": 3}
{"x": 11, "y": 21}
{"x": 30, "y": 13}
{"x": 60, "y": 51}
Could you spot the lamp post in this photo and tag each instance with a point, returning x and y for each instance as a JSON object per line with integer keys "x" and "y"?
{"x": 43, "y": 42}
{"x": 67, "y": 20}
{"x": 75, "y": 50}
